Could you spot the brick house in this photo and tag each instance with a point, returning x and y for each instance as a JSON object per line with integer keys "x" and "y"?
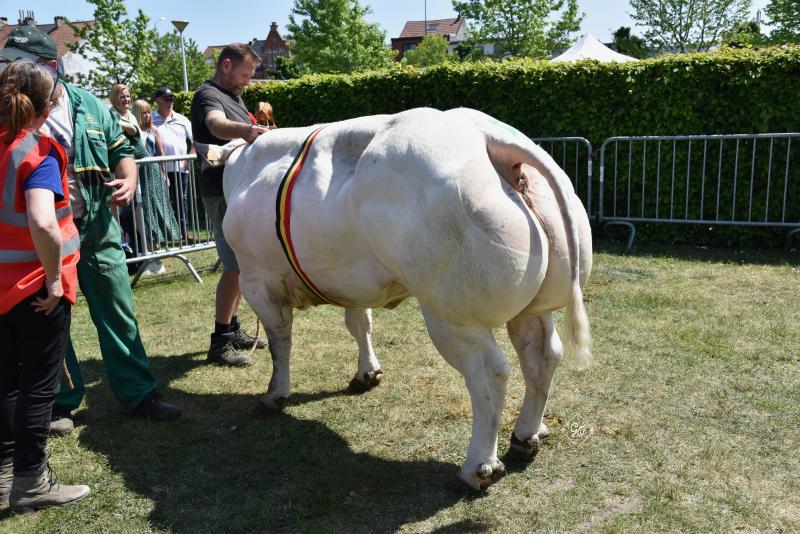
{"x": 210, "y": 53}
{"x": 268, "y": 49}
{"x": 63, "y": 36}
{"x": 454, "y": 30}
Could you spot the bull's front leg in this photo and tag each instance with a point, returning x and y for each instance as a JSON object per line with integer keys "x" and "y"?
{"x": 473, "y": 351}
{"x": 359, "y": 323}
{"x": 277, "y": 322}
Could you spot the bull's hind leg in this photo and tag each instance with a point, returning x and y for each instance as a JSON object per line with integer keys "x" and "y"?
{"x": 359, "y": 323}
{"x": 474, "y": 353}
{"x": 277, "y": 322}
{"x": 539, "y": 350}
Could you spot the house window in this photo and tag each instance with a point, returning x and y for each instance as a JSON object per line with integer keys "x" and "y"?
{"x": 432, "y": 26}
{"x": 407, "y": 47}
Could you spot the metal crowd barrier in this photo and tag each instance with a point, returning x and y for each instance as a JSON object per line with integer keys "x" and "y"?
{"x": 574, "y": 156}
{"x": 749, "y": 180}
{"x": 181, "y": 225}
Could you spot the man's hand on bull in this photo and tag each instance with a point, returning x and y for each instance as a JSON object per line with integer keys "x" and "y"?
{"x": 253, "y": 132}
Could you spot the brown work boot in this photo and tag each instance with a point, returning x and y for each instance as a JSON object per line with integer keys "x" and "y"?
{"x": 31, "y": 493}
{"x": 6, "y": 479}
{"x": 223, "y": 352}
{"x": 61, "y": 422}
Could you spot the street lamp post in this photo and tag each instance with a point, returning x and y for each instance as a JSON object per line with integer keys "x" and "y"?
{"x": 155, "y": 24}
{"x": 180, "y": 25}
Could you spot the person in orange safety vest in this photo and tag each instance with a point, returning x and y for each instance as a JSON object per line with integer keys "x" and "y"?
{"x": 39, "y": 253}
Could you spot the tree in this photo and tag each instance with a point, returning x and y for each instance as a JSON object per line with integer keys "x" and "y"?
{"x": 630, "y": 45}
{"x": 522, "y": 27}
{"x": 744, "y": 34}
{"x": 168, "y": 71}
{"x": 122, "y": 44}
{"x": 332, "y": 36}
{"x": 687, "y": 25}
{"x": 469, "y": 50}
{"x": 285, "y": 68}
{"x": 784, "y": 17}
{"x": 431, "y": 51}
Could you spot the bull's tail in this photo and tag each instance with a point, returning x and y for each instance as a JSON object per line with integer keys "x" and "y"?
{"x": 509, "y": 148}
{"x": 577, "y": 337}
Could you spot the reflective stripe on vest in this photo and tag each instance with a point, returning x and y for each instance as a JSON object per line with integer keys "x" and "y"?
{"x": 7, "y": 213}
{"x": 25, "y": 256}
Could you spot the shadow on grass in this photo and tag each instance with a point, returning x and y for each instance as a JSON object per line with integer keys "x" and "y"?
{"x": 221, "y": 468}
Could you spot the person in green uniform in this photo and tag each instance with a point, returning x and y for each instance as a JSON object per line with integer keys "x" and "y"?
{"x": 95, "y": 144}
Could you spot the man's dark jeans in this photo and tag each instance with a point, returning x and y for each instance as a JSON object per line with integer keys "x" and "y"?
{"x": 32, "y": 349}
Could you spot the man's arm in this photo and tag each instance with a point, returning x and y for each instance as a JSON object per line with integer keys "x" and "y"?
{"x": 124, "y": 182}
{"x": 223, "y": 128}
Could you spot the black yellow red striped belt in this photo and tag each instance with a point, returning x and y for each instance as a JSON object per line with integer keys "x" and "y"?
{"x": 283, "y": 216}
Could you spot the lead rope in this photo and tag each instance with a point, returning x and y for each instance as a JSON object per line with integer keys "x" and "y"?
{"x": 255, "y": 340}
{"x": 68, "y": 377}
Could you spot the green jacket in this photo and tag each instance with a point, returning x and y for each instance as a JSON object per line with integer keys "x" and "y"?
{"x": 98, "y": 142}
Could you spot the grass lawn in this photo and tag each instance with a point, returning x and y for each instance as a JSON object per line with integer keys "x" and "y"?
{"x": 688, "y": 418}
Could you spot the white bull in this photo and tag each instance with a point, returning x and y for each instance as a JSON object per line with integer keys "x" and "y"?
{"x": 455, "y": 208}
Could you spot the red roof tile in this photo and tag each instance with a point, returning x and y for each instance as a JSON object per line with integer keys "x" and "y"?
{"x": 416, "y": 28}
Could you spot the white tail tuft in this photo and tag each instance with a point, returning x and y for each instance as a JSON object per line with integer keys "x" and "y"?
{"x": 577, "y": 339}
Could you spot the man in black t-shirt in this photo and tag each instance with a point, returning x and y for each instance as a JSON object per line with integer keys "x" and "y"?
{"x": 219, "y": 115}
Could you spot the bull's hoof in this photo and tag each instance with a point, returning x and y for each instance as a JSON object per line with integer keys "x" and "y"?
{"x": 524, "y": 450}
{"x": 483, "y": 477}
{"x": 366, "y": 382}
{"x": 267, "y": 406}
{"x": 544, "y": 432}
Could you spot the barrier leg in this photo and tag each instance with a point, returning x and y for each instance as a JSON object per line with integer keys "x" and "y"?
{"x": 189, "y": 266}
{"x": 629, "y": 225}
{"x": 790, "y": 239}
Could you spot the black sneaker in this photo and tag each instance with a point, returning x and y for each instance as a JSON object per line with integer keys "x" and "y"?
{"x": 242, "y": 341}
{"x": 152, "y": 407}
{"x": 223, "y": 351}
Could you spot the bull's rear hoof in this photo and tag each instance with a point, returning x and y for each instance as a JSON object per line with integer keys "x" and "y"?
{"x": 270, "y": 407}
{"x": 366, "y": 382}
{"x": 524, "y": 450}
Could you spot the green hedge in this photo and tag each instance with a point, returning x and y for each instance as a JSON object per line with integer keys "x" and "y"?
{"x": 731, "y": 91}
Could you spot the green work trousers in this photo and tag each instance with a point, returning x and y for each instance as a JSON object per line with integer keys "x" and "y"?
{"x": 103, "y": 279}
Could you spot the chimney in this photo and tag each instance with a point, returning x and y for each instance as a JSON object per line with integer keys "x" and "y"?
{"x": 3, "y": 21}
{"x": 26, "y": 17}
{"x": 273, "y": 27}
{"x": 59, "y": 20}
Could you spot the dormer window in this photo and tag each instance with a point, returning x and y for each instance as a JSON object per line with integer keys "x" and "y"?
{"x": 432, "y": 26}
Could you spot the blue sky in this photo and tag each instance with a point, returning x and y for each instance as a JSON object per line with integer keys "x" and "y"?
{"x": 213, "y": 22}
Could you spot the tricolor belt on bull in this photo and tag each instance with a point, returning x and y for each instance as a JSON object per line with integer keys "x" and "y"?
{"x": 284, "y": 210}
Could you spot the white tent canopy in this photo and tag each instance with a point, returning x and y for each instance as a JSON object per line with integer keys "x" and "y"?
{"x": 588, "y": 47}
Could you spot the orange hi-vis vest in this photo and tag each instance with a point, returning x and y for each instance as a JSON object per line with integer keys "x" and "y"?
{"x": 21, "y": 272}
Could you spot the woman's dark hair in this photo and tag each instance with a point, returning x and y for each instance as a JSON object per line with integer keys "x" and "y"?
{"x": 27, "y": 90}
